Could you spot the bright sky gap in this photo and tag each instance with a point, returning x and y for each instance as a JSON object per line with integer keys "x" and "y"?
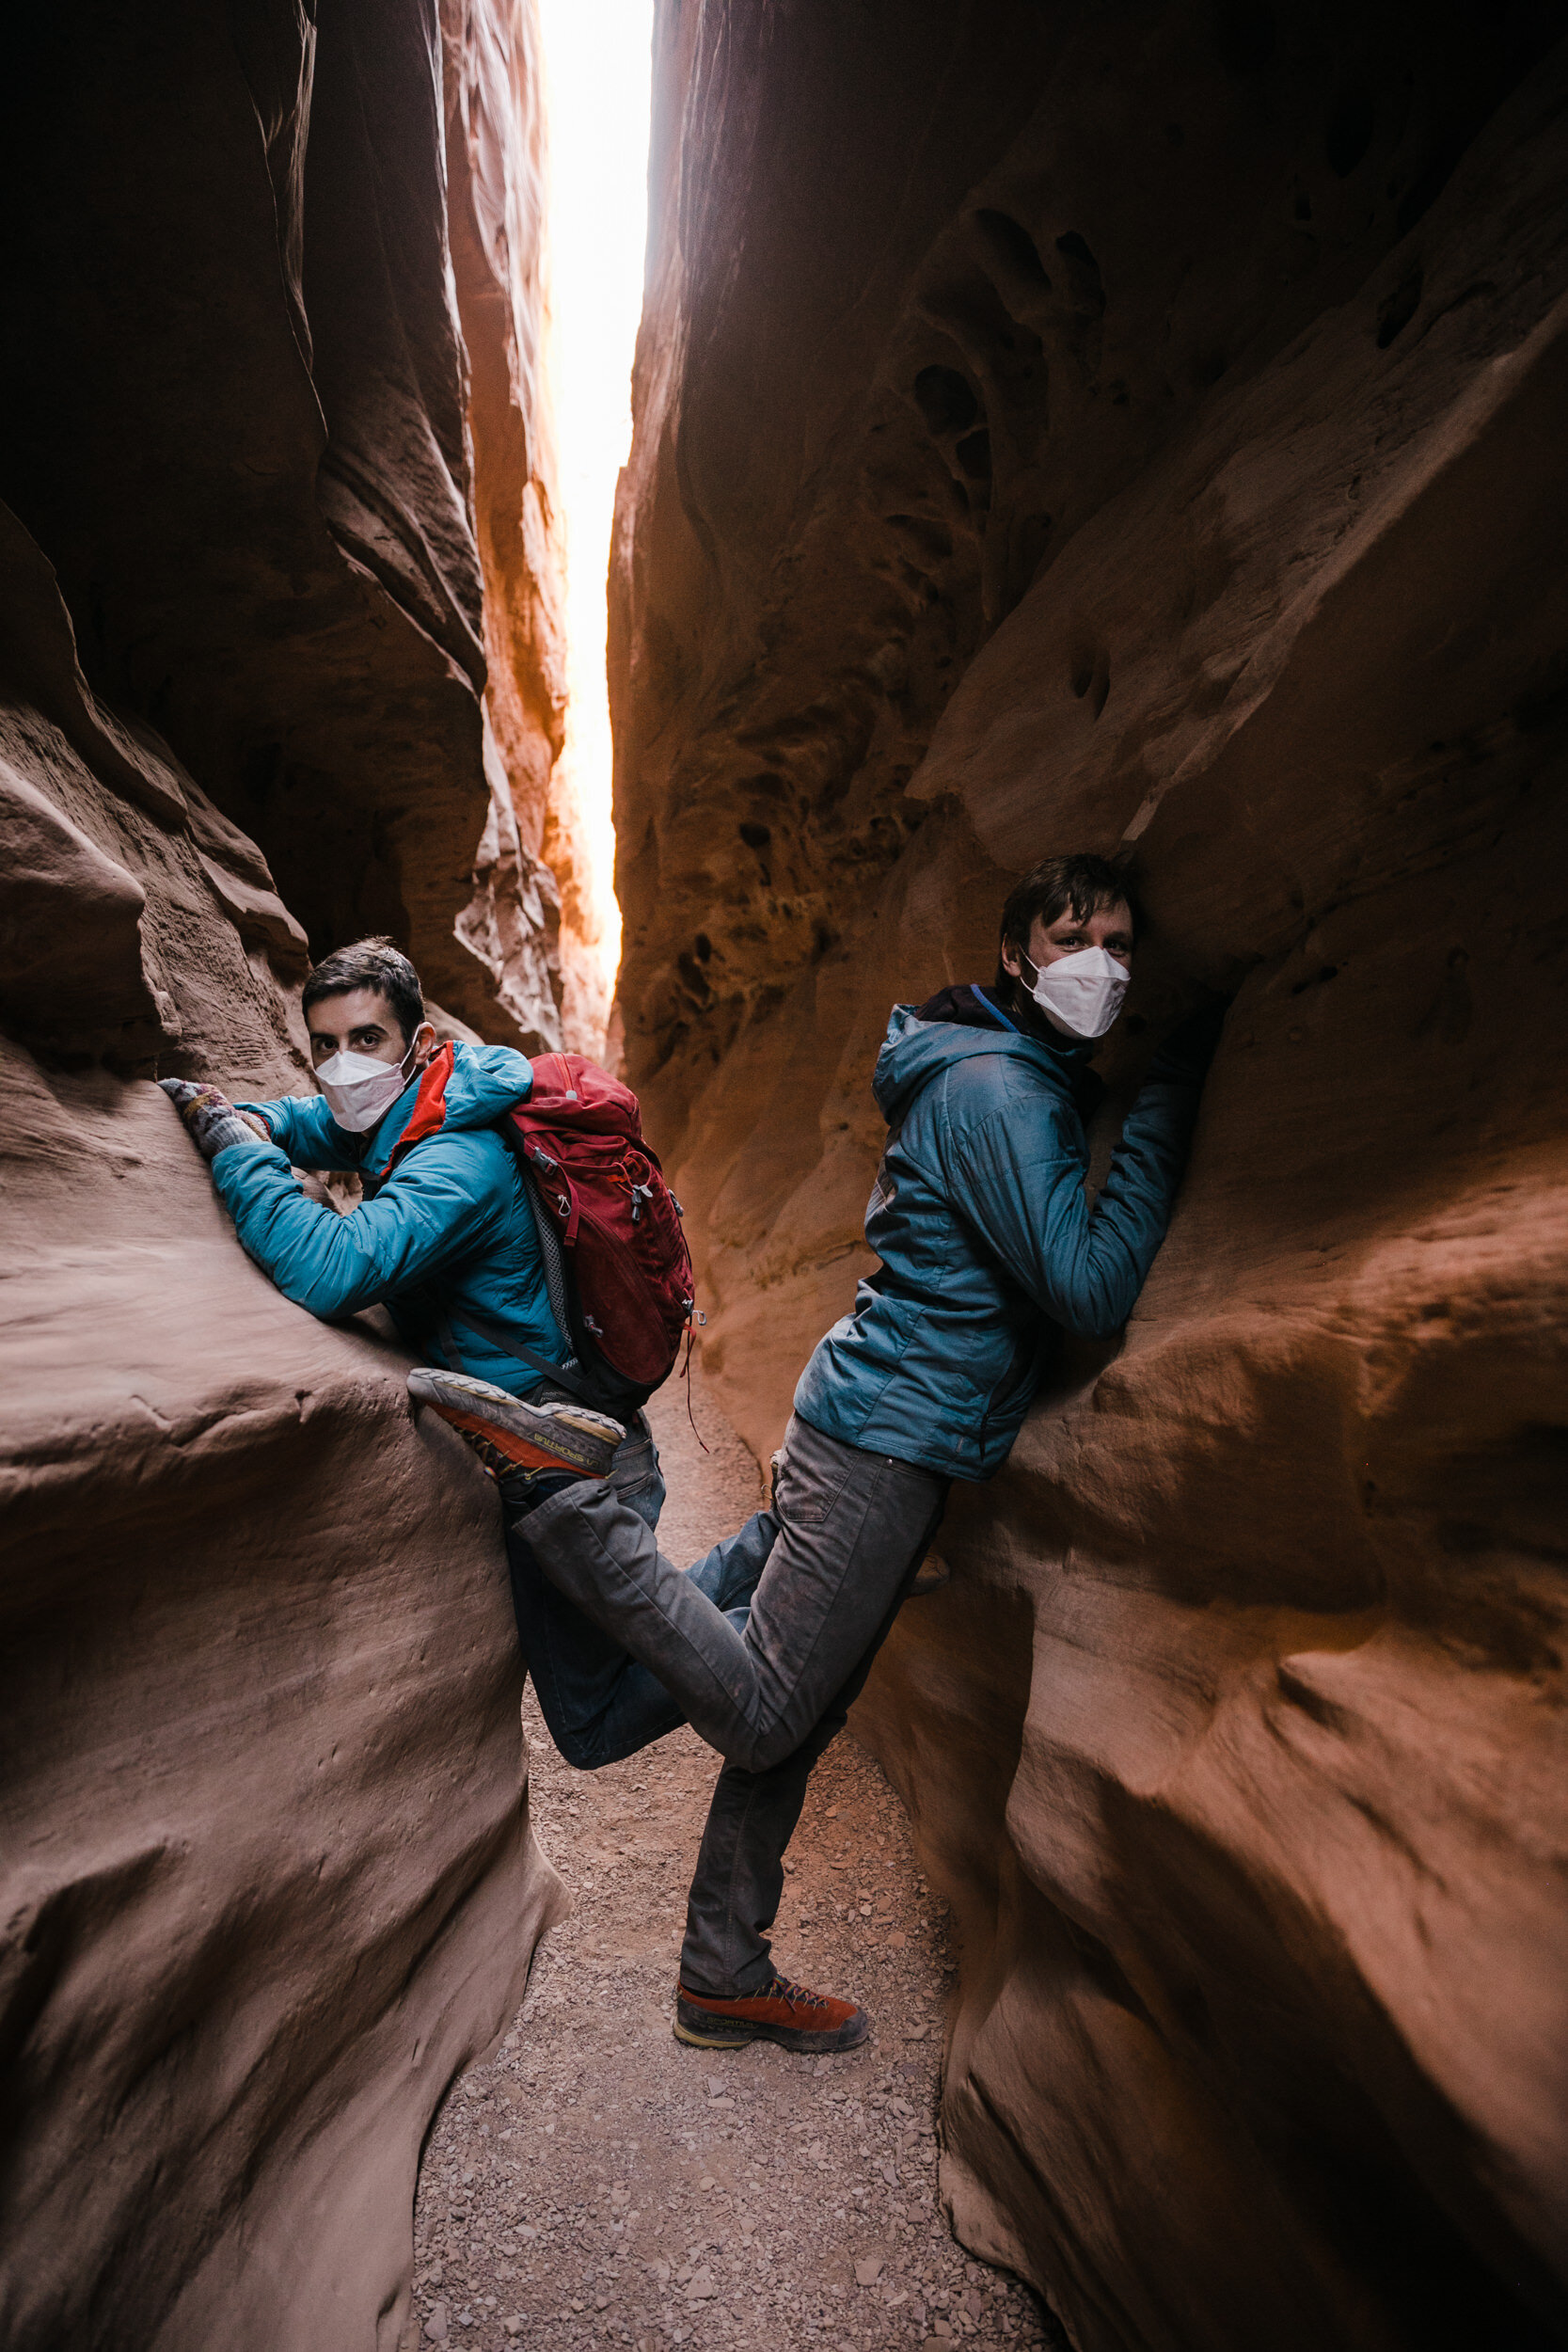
{"x": 597, "y": 68}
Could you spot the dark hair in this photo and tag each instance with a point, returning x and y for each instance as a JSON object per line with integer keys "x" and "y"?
{"x": 1083, "y": 882}
{"x": 373, "y": 963}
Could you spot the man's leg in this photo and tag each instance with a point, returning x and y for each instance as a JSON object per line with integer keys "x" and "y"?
{"x": 849, "y": 1525}
{"x": 736, "y": 1885}
{"x": 729, "y": 1989}
{"x": 599, "y": 1704}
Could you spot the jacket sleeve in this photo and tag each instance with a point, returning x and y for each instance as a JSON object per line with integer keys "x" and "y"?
{"x": 304, "y": 1129}
{"x": 440, "y": 1202}
{"x": 1020, "y": 1183}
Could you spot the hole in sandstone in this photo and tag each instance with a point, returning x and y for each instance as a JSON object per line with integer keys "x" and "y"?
{"x": 928, "y": 538}
{"x": 756, "y": 836}
{"x": 974, "y": 455}
{"x": 945, "y": 399}
{"x": 1085, "y": 283}
{"x": 1396, "y": 311}
{"x": 1011, "y": 245}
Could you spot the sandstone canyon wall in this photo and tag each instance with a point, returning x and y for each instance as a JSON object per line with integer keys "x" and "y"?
{"x": 279, "y": 646}
{"x": 1144, "y": 427}
{"x": 275, "y": 408}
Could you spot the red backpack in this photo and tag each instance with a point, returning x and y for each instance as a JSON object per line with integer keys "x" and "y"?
{"x": 616, "y": 1266}
{"x": 610, "y": 1230}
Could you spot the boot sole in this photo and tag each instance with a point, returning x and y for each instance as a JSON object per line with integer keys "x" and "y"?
{"x": 708, "y": 2035}
{"x": 530, "y": 1441}
{"x": 520, "y": 1452}
{"x": 453, "y": 1391}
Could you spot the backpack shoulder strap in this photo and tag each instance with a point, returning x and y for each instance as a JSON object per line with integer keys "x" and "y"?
{"x": 550, "y": 1253}
{"x": 505, "y": 1336}
{"x": 570, "y": 1375}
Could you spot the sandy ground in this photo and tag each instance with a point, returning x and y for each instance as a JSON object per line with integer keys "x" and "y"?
{"x": 600, "y": 2183}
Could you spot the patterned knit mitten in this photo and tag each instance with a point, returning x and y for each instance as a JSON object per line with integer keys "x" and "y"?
{"x": 213, "y": 1122}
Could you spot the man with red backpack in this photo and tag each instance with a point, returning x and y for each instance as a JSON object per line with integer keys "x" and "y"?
{"x": 454, "y": 1239}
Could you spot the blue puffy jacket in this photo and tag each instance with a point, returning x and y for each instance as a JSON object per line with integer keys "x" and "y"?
{"x": 449, "y": 1228}
{"x": 989, "y": 1246}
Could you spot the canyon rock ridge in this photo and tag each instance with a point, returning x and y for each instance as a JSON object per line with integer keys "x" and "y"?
{"x": 1141, "y": 430}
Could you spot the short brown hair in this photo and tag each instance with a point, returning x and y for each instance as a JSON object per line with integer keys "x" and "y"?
{"x": 373, "y": 963}
{"x": 1082, "y": 880}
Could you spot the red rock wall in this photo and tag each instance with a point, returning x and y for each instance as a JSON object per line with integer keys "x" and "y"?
{"x": 268, "y": 1878}
{"x": 273, "y": 406}
{"x": 1146, "y": 431}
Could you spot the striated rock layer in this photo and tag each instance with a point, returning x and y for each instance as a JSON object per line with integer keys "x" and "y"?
{"x": 274, "y": 407}
{"x": 269, "y": 666}
{"x": 1144, "y": 430}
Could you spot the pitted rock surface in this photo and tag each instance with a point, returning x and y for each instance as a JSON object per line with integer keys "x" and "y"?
{"x": 1148, "y": 438}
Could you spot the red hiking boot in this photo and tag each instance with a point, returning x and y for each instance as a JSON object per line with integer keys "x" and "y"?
{"x": 783, "y": 2013}
{"x": 514, "y": 1439}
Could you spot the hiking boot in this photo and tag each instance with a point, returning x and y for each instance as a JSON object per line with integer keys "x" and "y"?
{"x": 513, "y": 1440}
{"x": 783, "y": 2013}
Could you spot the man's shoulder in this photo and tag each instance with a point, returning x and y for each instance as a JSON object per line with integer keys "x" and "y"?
{"x": 474, "y": 1157}
{"x": 976, "y": 1087}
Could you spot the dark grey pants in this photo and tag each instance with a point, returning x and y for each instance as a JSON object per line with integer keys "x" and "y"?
{"x": 771, "y": 1692}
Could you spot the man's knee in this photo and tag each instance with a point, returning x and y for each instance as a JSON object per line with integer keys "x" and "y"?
{"x": 584, "y": 1751}
{"x": 764, "y": 1751}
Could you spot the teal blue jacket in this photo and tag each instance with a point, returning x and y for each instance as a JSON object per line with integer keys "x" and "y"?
{"x": 989, "y": 1246}
{"x": 448, "y": 1230}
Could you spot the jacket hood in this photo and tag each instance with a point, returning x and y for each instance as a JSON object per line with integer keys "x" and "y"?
{"x": 460, "y": 1087}
{"x": 915, "y": 1050}
{"x": 485, "y": 1081}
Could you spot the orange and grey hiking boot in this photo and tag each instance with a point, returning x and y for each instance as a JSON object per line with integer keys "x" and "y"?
{"x": 514, "y": 1439}
{"x": 782, "y": 2011}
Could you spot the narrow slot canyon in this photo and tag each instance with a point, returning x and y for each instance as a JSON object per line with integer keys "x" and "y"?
{"x": 1129, "y": 431}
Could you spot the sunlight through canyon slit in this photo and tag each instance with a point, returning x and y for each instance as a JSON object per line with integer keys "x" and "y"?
{"x": 597, "y": 71}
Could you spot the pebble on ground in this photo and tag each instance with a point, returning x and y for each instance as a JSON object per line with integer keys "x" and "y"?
{"x": 602, "y": 2185}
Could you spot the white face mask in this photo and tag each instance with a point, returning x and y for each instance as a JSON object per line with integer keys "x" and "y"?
{"x": 360, "y": 1090}
{"x": 1081, "y": 992}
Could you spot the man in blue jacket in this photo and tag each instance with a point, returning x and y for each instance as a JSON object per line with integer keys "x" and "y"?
{"x": 989, "y": 1249}
{"x": 445, "y": 1239}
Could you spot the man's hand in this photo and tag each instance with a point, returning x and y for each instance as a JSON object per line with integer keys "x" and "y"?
{"x": 1183, "y": 1059}
{"x": 213, "y": 1122}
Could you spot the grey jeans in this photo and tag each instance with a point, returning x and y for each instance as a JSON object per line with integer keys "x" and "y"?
{"x": 771, "y": 1691}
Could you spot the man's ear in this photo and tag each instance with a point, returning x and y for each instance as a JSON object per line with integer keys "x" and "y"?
{"x": 424, "y": 1043}
{"x": 1010, "y": 959}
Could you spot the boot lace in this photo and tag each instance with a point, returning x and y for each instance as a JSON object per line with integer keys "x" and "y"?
{"x": 785, "y": 1989}
{"x": 491, "y": 1456}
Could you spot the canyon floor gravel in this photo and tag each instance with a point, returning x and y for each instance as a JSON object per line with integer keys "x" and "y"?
{"x": 601, "y": 2185}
